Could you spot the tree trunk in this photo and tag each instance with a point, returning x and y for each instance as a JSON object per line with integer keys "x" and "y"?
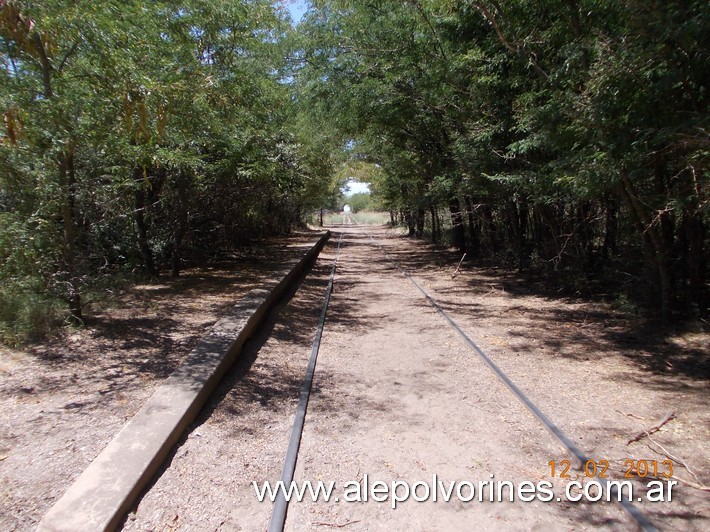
{"x": 458, "y": 236}
{"x": 522, "y": 234}
{"x": 611, "y": 229}
{"x": 141, "y": 226}
{"x": 474, "y": 230}
{"x": 654, "y": 243}
{"x": 666, "y": 279}
{"x": 182, "y": 225}
{"x": 434, "y": 225}
{"x": 410, "y": 222}
{"x": 666, "y": 221}
{"x": 67, "y": 185}
{"x": 490, "y": 231}
{"x": 547, "y": 231}
{"x": 696, "y": 259}
{"x": 513, "y": 224}
{"x": 577, "y": 29}
{"x": 586, "y": 241}
{"x": 420, "y": 222}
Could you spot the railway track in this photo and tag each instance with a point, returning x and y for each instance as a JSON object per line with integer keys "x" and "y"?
{"x": 398, "y": 395}
{"x": 280, "y": 508}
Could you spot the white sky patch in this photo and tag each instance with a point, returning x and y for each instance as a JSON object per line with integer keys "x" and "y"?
{"x": 296, "y": 8}
{"x": 355, "y": 187}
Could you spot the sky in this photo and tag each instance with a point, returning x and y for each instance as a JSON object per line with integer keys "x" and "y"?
{"x": 297, "y": 8}
{"x": 355, "y": 187}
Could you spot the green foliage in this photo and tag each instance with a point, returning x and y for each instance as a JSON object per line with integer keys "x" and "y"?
{"x": 570, "y": 137}
{"x": 574, "y": 132}
{"x": 361, "y": 201}
{"x": 143, "y": 136}
{"x": 26, "y": 316}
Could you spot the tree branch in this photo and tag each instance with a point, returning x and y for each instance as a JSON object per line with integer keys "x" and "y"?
{"x": 521, "y": 51}
{"x": 44, "y": 63}
{"x": 647, "y": 432}
{"x": 69, "y": 53}
{"x": 420, "y": 8}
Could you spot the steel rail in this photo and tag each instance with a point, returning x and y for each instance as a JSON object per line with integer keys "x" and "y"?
{"x": 641, "y": 520}
{"x": 278, "y": 514}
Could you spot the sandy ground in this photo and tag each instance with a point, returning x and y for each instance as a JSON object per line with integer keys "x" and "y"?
{"x": 399, "y": 397}
{"x": 64, "y": 399}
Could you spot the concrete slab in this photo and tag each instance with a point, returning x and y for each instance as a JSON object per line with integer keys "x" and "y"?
{"x": 106, "y": 490}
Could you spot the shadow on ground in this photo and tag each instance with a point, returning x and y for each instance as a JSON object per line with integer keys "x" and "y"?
{"x": 590, "y": 324}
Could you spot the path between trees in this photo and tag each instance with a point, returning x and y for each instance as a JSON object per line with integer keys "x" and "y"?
{"x": 399, "y": 397}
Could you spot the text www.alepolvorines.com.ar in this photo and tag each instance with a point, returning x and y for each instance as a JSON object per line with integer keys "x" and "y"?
{"x": 436, "y": 490}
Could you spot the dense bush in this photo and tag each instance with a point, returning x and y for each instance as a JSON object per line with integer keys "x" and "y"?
{"x": 139, "y": 137}
{"x": 570, "y": 138}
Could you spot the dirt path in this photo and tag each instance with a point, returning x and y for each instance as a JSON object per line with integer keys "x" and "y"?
{"x": 399, "y": 397}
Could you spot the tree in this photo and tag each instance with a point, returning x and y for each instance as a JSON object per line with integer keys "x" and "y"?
{"x": 566, "y": 136}
{"x": 145, "y": 135}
